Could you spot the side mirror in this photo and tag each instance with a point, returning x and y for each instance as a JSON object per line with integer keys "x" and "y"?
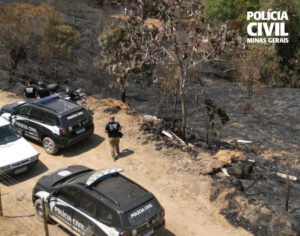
{"x": 12, "y": 117}
{"x": 52, "y": 194}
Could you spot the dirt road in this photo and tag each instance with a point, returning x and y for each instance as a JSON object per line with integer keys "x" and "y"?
{"x": 184, "y": 197}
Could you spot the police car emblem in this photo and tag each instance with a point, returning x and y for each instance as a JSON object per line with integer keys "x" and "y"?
{"x": 64, "y": 173}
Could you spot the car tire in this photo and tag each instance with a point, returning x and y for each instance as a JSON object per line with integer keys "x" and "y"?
{"x": 50, "y": 146}
{"x": 39, "y": 210}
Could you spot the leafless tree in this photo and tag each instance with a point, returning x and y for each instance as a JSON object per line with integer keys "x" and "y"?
{"x": 178, "y": 36}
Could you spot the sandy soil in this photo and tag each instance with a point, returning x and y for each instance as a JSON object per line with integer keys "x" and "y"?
{"x": 185, "y": 197}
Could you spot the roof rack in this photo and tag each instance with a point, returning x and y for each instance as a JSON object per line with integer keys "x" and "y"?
{"x": 47, "y": 99}
{"x": 100, "y": 174}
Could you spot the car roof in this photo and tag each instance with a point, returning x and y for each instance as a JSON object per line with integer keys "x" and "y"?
{"x": 124, "y": 192}
{"x": 3, "y": 122}
{"x": 57, "y": 104}
{"x": 120, "y": 193}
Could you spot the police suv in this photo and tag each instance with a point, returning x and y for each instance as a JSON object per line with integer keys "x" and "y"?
{"x": 53, "y": 121}
{"x": 98, "y": 202}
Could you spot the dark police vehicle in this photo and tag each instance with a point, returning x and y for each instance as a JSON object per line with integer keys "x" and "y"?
{"x": 52, "y": 120}
{"x": 98, "y": 202}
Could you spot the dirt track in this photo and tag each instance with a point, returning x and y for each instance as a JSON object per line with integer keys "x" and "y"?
{"x": 184, "y": 197}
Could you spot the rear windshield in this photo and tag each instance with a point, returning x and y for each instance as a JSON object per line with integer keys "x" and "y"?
{"x": 75, "y": 117}
{"x": 141, "y": 214}
{"x": 60, "y": 105}
{"x": 8, "y": 134}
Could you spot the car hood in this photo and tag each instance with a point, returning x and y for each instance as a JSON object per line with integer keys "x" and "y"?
{"x": 9, "y": 107}
{"x": 16, "y": 151}
{"x": 52, "y": 178}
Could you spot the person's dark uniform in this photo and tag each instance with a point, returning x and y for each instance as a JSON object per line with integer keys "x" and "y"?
{"x": 113, "y": 130}
{"x": 30, "y": 91}
{"x": 43, "y": 92}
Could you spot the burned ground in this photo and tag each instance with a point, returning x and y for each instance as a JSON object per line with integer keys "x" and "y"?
{"x": 249, "y": 189}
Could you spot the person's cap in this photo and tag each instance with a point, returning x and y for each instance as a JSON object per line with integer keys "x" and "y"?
{"x": 41, "y": 83}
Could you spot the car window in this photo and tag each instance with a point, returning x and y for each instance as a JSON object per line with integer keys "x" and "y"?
{"x": 50, "y": 120}
{"x": 36, "y": 114}
{"x": 107, "y": 215}
{"x": 8, "y": 134}
{"x": 69, "y": 195}
{"x": 141, "y": 214}
{"x": 87, "y": 205}
{"x": 24, "y": 111}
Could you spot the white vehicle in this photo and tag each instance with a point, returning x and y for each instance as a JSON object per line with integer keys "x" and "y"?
{"x": 16, "y": 154}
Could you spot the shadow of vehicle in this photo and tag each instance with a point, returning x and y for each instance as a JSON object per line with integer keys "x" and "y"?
{"x": 67, "y": 232}
{"x": 81, "y": 147}
{"x": 35, "y": 170}
{"x": 124, "y": 153}
{"x": 168, "y": 233}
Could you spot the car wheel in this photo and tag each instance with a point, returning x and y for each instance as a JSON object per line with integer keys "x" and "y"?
{"x": 39, "y": 210}
{"x": 50, "y": 146}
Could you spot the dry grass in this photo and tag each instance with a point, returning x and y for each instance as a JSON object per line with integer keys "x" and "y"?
{"x": 150, "y": 22}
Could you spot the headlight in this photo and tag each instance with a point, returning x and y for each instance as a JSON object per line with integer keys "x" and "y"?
{"x": 34, "y": 157}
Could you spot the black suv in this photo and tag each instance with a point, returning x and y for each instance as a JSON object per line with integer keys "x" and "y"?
{"x": 98, "y": 202}
{"x": 52, "y": 120}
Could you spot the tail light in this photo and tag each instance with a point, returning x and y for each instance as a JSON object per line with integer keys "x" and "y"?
{"x": 91, "y": 119}
{"x": 124, "y": 233}
{"x": 63, "y": 131}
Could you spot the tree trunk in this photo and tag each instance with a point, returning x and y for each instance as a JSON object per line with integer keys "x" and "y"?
{"x": 183, "y": 115}
{"x": 55, "y": 70}
{"x": 123, "y": 95}
{"x": 174, "y": 110}
{"x": 12, "y": 72}
{"x": 40, "y": 70}
{"x": 250, "y": 87}
{"x": 10, "y": 76}
{"x": 207, "y": 133}
{"x": 175, "y": 104}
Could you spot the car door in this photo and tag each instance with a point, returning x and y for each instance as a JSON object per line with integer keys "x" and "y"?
{"x": 19, "y": 119}
{"x": 108, "y": 219}
{"x": 62, "y": 204}
{"x": 87, "y": 214}
{"x": 35, "y": 125}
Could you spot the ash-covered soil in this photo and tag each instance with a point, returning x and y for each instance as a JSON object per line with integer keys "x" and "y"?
{"x": 270, "y": 118}
{"x": 250, "y": 190}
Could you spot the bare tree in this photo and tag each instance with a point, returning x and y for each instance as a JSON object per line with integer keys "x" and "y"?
{"x": 179, "y": 38}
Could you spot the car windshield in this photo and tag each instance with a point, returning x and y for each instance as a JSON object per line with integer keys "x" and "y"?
{"x": 8, "y": 134}
{"x": 72, "y": 178}
{"x": 142, "y": 214}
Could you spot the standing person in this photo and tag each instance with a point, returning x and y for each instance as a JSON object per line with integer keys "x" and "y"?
{"x": 30, "y": 90}
{"x": 42, "y": 91}
{"x": 113, "y": 130}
